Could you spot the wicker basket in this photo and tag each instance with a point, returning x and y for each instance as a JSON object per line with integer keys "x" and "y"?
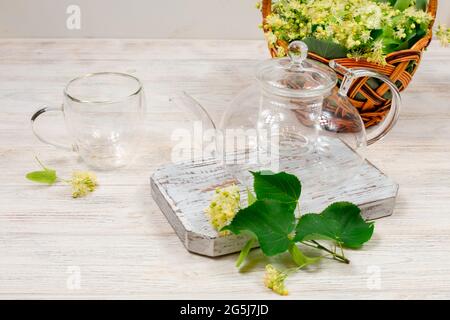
{"x": 373, "y": 102}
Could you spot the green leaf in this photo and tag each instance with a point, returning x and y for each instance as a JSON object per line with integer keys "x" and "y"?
{"x": 421, "y": 4}
{"x": 325, "y": 48}
{"x": 375, "y": 33}
{"x": 250, "y": 197}
{"x": 270, "y": 220}
{"x": 341, "y": 222}
{"x": 402, "y": 4}
{"x": 301, "y": 259}
{"x": 47, "y": 176}
{"x": 244, "y": 252}
{"x": 393, "y": 45}
{"x": 283, "y": 187}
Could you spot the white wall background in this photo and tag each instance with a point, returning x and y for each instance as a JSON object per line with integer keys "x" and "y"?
{"x": 220, "y": 19}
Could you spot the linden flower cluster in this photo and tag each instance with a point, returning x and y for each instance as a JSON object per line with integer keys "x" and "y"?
{"x": 366, "y": 28}
{"x": 223, "y": 207}
{"x": 443, "y": 34}
{"x": 274, "y": 279}
{"x": 82, "y": 183}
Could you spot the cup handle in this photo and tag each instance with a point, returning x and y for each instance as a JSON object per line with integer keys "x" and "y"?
{"x": 350, "y": 74}
{"x": 35, "y": 116}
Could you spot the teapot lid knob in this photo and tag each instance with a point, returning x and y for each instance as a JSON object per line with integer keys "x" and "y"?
{"x": 297, "y": 52}
{"x": 295, "y": 75}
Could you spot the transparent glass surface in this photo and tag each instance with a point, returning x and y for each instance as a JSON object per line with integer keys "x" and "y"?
{"x": 295, "y": 119}
{"x": 104, "y": 113}
{"x": 317, "y": 138}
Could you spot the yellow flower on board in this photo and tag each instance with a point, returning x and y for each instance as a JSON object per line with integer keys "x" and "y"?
{"x": 223, "y": 207}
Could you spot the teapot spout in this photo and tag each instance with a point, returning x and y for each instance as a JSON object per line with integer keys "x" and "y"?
{"x": 189, "y": 104}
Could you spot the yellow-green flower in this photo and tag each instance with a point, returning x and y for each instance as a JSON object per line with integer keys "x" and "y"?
{"x": 443, "y": 34}
{"x": 274, "y": 279}
{"x": 281, "y": 52}
{"x": 271, "y": 38}
{"x": 223, "y": 207}
{"x": 376, "y": 55}
{"x": 356, "y": 25}
{"x": 275, "y": 20}
{"x": 82, "y": 183}
{"x": 400, "y": 33}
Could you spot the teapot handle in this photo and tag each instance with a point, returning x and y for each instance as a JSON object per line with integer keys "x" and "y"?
{"x": 391, "y": 118}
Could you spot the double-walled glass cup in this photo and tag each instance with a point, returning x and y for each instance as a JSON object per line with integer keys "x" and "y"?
{"x": 104, "y": 114}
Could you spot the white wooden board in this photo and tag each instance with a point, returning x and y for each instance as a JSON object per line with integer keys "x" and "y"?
{"x": 184, "y": 190}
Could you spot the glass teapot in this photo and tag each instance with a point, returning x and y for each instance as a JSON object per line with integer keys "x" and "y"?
{"x": 295, "y": 119}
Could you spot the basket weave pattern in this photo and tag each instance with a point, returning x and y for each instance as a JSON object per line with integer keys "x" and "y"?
{"x": 400, "y": 68}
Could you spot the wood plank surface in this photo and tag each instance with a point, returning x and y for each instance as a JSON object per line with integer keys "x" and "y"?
{"x": 119, "y": 244}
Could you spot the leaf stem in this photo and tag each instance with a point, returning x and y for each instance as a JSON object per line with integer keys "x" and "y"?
{"x": 244, "y": 252}
{"x": 337, "y": 257}
{"x": 342, "y": 249}
{"x": 40, "y": 163}
{"x": 308, "y": 244}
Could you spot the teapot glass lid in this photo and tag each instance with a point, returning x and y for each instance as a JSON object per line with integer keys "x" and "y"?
{"x": 295, "y": 75}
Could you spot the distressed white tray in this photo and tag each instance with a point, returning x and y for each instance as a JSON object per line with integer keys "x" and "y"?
{"x": 184, "y": 190}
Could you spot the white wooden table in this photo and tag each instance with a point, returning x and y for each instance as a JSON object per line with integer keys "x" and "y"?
{"x": 118, "y": 244}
